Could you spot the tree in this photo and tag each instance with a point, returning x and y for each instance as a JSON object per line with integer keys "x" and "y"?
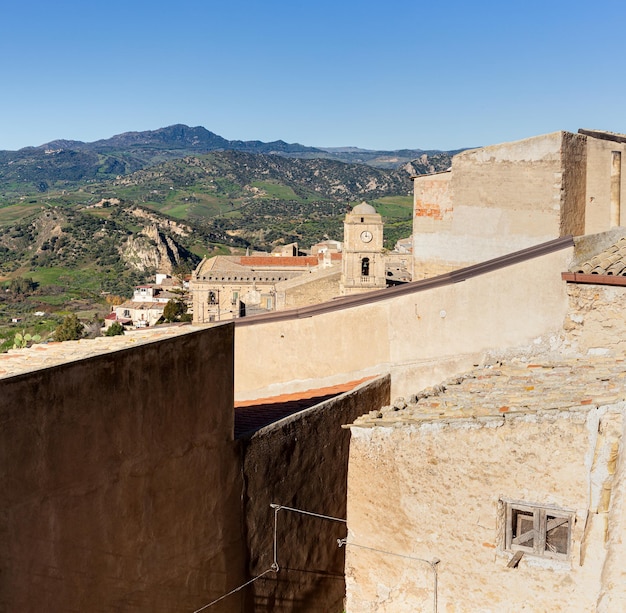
{"x": 22, "y": 285}
{"x": 174, "y": 310}
{"x": 115, "y": 329}
{"x": 69, "y": 330}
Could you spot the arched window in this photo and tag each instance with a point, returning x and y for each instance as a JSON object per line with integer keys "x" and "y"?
{"x": 365, "y": 267}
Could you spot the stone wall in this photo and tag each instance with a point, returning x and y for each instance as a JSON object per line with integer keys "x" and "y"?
{"x": 445, "y": 503}
{"x": 120, "y": 481}
{"x": 309, "y": 288}
{"x": 595, "y": 321}
{"x": 302, "y": 462}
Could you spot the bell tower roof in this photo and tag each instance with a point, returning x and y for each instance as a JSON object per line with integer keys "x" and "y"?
{"x": 364, "y": 209}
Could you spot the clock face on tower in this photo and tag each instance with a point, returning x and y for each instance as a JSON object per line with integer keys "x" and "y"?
{"x": 366, "y": 236}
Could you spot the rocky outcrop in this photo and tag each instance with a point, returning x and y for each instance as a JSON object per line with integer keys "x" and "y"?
{"x": 152, "y": 250}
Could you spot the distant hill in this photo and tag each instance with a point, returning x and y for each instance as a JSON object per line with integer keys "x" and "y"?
{"x": 68, "y": 164}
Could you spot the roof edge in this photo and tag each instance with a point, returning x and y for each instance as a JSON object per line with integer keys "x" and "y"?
{"x": 412, "y": 287}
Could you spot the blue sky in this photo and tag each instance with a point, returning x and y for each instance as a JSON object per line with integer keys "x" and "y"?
{"x": 370, "y": 74}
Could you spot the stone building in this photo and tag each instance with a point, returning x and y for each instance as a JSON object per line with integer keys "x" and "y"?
{"x": 506, "y": 197}
{"x": 146, "y": 306}
{"x": 515, "y": 500}
{"x": 228, "y": 287}
{"x": 501, "y": 490}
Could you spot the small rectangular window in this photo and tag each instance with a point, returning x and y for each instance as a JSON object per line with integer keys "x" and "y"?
{"x": 538, "y": 530}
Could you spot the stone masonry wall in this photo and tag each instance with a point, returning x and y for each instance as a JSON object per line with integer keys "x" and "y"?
{"x": 302, "y": 463}
{"x": 433, "y": 491}
{"x": 595, "y": 321}
{"x": 120, "y": 481}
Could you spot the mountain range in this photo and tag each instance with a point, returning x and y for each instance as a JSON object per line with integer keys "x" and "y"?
{"x": 65, "y": 163}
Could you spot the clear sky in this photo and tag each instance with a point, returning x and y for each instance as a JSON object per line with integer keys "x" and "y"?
{"x": 372, "y": 74}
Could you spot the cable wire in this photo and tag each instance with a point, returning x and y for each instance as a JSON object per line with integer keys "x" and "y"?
{"x": 278, "y": 507}
{"x": 432, "y": 563}
{"x": 206, "y": 606}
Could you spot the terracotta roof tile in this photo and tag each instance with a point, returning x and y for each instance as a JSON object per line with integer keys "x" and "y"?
{"x": 252, "y": 415}
{"x": 509, "y": 388}
{"x": 610, "y": 262}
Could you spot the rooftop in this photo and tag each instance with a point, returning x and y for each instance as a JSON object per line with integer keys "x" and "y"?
{"x": 508, "y": 388}
{"x": 252, "y": 415}
{"x": 600, "y": 259}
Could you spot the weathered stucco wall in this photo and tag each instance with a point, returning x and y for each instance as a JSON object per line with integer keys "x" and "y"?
{"x": 302, "y": 462}
{"x": 420, "y": 338}
{"x": 499, "y": 199}
{"x": 109, "y": 469}
{"x": 600, "y": 176}
{"x": 433, "y": 491}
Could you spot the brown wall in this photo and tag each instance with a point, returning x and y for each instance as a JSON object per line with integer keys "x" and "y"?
{"x": 120, "y": 483}
{"x": 302, "y": 462}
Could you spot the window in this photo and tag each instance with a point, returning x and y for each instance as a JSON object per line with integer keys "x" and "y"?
{"x": 212, "y": 298}
{"x": 538, "y": 530}
{"x": 365, "y": 267}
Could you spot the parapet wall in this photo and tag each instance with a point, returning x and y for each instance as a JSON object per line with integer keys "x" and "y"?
{"x": 120, "y": 481}
{"x": 420, "y": 333}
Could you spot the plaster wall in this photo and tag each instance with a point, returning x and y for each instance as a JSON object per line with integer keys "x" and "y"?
{"x": 500, "y": 199}
{"x": 598, "y": 197}
{"x": 445, "y": 503}
{"x": 120, "y": 481}
{"x": 420, "y": 338}
{"x": 293, "y": 464}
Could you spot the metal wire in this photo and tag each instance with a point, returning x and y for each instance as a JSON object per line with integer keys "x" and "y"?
{"x": 278, "y": 507}
{"x": 206, "y": 606}
{"x": 432, "y": 563}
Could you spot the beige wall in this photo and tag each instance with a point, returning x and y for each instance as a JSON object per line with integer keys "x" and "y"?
{"x": 443, "y": 502}
{"x": 311, "y": 288}
{"x": 598, "y": 200}
{"x": 500, "y": 199}
{"x": 420, "y": 338}
{"x": 109, "y": 469}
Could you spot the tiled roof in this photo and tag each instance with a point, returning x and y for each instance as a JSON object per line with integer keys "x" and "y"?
{"x": 509, "y": 388}
{"x": 252, "y": 415}
{"x": 141, "y": 305}
{"x": 279, "y": 261}
{"x": 611, "y": 261}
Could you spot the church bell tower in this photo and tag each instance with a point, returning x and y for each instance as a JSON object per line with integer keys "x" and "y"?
{"x": 363, "y": 266}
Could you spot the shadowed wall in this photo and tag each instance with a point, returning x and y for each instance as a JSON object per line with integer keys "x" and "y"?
{"x": 121, "y": 488}
{"x": 302, "y": 462}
